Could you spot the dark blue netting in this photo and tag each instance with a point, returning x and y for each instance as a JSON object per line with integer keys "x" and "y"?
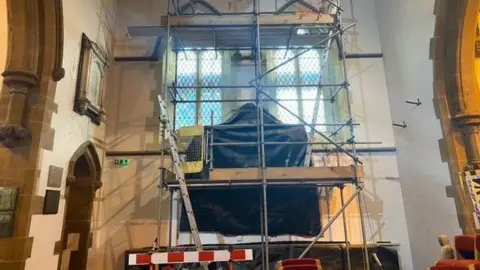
{"x": 292, "y": 210}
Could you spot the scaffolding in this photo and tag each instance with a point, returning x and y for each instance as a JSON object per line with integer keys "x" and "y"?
{"x": 199, "y": 27}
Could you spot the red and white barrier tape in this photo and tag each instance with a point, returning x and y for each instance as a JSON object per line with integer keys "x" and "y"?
{"x": 190, "y": 257}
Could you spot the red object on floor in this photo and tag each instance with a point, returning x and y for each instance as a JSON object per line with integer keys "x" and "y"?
{"x": 477, "y": 238}
{"x": 299, "y": 264}
{"x": 457, "y": 264}
{"x": 446, "y": 267}
{"x": 464, "y": 243}
{"x": 301, "y": 267}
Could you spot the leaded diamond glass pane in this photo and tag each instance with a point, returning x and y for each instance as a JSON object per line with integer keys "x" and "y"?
{"x": 186, "y": 76}
{"x": 287, "y": 96}
{"x": 211, "y": 75}
{"x": 310, "y": 68}
{"x": 310, "y": 93}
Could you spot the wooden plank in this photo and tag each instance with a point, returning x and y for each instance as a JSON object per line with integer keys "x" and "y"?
{"x": 286, "y": 19}
{"x": 286, "y": 174}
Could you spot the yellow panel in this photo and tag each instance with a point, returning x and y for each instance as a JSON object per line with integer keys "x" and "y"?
{"x": 191, "y": 131}
{"x": 185, "y": 136}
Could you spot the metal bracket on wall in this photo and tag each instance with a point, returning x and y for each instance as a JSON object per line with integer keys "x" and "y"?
{"x": 416, "y": 103}
{"x": 404, "y": 125}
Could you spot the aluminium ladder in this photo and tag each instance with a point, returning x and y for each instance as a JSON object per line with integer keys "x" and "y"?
{"x": 179, "y": 174}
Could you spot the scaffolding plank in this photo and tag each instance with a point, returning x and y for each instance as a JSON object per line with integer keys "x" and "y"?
{"x": 287, "y": 174}
{"x": 301, "y": 18}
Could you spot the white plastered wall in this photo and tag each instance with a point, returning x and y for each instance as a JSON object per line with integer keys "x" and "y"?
{"x": 95, "y": 19}
{"x": 405, "y": 30}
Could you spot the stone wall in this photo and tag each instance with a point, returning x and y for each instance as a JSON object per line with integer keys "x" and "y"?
{"x": 68, "y": 130}
{"x": 4, "y": 37}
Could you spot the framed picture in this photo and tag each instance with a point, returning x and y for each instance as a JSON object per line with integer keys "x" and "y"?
{"x": 90, "y": 82}
{"x": 8, "y": 202}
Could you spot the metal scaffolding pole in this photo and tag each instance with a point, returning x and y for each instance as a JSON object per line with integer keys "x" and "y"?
{"x": 250, "y": 86}
{"x": 167, "y": 50}
{"x": 352, "y": 133}
{"x": 265, "y": 255}
{"x": 339, "y": 212}
{"x": 262, "y": 97}
{"x": 170, "y": 221}
{"x": 345, "y": 229}
{"x": 261, "y": 76}
{"x": 163, "y": 137}
{"x": 364, "y": 237}
{"x": 313, "y": 127}
{"x": 316, "y": 107}
{"x": 160, "y": 183}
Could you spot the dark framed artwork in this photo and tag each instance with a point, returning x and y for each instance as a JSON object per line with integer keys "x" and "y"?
{"x": 51, "y": 202}
{"x": 91, "y": 81}
{"x": 6, "y": 224}
{"x": 477, "y": 42}
{"x": 8, "y": 203}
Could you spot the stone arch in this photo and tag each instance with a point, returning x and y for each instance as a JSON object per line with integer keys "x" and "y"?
{"x": 88, "y": 150}
{"x": 32, "y": 67}
{"x": 34, "y": 58}
{"x": 83, "y": 180}
{"x": 457, "y": 95}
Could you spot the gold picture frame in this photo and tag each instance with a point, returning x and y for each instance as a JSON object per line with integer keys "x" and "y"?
{"x": 91, "y": 81}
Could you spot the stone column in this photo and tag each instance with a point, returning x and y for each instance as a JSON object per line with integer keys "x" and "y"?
{"x": 18, "y": 83}
{"x": 21, "y": 68}
{"x": 467, "y": 117}
{"x": 469, "y": 126}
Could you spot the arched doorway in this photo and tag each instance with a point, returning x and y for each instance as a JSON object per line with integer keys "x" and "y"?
{"x": 83, "y": 180}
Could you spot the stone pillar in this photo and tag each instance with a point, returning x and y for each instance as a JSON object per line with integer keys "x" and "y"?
{"x": 457, "y": 96}
{"x": 34, "y": 59}
{"x": 469, "y": 126}
{"x": 18, "y": 83}
{"x": 21, "y": 68}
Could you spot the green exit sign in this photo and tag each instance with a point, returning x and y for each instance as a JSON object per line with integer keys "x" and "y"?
{"x": 122, "y": 162}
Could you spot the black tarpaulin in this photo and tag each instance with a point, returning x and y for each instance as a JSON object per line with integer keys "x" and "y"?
{"x": 244, "y": 156}
{"x": 236, "y": 211}
{"x": 292, "y": 210}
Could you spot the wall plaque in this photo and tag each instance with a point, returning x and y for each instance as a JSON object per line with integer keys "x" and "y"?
{"x": 8, "y": 201}
{"x": 6, "y": 224}
{"x": 55, "y": 176}
{"x": 8, "y": 198}
{"x": 90, "y": 82}
{"x": 52, "y": 200}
